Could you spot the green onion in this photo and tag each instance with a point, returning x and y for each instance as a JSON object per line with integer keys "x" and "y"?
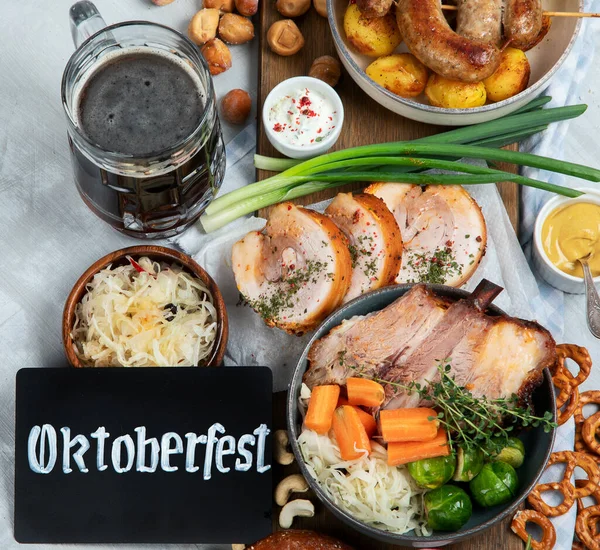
{"x": 318, "y": 165}
{"x": 406, "y": 161}
{"x": 535, "y": 104}
{"x": 212, "y": 222}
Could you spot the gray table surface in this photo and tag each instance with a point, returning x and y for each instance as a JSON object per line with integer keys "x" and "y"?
{"x": 47, "y": 235}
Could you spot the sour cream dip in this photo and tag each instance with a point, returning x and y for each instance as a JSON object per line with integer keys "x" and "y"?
{"x": 302, "y": 117}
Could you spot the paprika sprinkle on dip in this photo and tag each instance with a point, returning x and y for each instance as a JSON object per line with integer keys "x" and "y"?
{"x": 303, "y": 118}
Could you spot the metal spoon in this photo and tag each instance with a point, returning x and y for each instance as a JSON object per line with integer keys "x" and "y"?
{"x": 592, "y": 298}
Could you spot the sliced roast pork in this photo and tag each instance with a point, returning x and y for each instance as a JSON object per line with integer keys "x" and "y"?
{"x": 443, "y": 231}
{"x": 375, "y": 243}
{"x": 405, "y": 342}
{"x": 367, "y": 344}
{"x": 294, "y": 272}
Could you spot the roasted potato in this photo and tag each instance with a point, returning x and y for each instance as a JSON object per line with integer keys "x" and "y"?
{"x": 510, "y": 78}
{"x": 401, "y": 73}
{"x": 372, "y": 37}
{"x": 453, "y": 94}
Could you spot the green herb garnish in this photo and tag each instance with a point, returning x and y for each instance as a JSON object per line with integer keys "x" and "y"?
{"x": 434, "y": 269}
{"x": 474, "y": 422}
{"x": 282, "y": 294}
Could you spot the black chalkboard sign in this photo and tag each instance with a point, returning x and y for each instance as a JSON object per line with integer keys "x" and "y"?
{"x": 143, "y": 455}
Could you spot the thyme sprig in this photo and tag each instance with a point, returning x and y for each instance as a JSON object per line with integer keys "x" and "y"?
{"x": 474, "y": 422}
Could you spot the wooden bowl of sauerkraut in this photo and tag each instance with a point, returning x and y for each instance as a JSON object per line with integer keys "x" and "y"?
{"x": 145, "y": 306}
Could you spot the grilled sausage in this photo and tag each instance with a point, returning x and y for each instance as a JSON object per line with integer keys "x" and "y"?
{"x": 430, "y": 38}
{"x": 480, "y": 20}
{"x": 522, "y": 22}
{"x": 374, "y": 8}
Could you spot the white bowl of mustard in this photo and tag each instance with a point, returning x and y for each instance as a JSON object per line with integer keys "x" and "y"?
{"x": 566, "y": 229}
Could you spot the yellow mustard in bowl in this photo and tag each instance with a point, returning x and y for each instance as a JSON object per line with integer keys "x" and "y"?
{"x": 571, "y": 232}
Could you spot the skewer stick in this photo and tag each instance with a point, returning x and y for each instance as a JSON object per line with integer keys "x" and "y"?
{"x": 548, "y": 13}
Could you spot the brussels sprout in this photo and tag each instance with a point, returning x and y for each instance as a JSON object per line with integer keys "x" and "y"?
{"x": 448, "y": 508}
{"x": 468, "y": 464}
{"x": 510, "y": 450}
{"x": 513, "y": 453}
{"x": 430, "y": 473}
{"x": 495, "y": 484}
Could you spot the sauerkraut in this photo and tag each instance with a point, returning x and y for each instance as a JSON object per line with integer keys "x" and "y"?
{"x": 383, "y": 496}
{"x": 144, "y": 314}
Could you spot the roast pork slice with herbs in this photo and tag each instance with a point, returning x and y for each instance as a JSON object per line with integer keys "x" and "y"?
{"x": 443, "y": 231}
{"x": 406, "y": 343}
{"x": 367, "y": 346}
{"x": 295, "y": 271}
{"x": 375, "y": 243}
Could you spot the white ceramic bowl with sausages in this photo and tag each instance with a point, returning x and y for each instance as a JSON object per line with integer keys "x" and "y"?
{"x": 545, "y": 60}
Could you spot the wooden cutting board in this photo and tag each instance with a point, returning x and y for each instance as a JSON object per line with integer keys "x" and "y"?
{"x": 365, "y": 122}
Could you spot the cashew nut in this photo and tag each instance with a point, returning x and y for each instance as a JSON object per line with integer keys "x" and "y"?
{"x": 295, "y": 509}
{"x": 291, "y": 484}
{"x": 282, "y": 455}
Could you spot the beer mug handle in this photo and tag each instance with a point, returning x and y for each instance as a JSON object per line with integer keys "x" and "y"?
{"x": 85, "y": 20}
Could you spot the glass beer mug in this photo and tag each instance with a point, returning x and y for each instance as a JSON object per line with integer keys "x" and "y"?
{"x": 145, "y": 139}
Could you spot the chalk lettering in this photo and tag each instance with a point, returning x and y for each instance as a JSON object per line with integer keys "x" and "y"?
{"x": 45, "y": 433}
{"x": 246, "y": 439}
{"x": 101, "y": 435}
{"x": 148, "y": 454}
{"x": 142, "y": 443}
{"x": 190, "y": 453}
{"x": 68, "y": 444}
{"x": 262, "y": 432}
{"x": 167, "y": 451}
{"x": 116, "y": 453}
{"x": 210, "y": 447}
{"x": 228, "y": 440}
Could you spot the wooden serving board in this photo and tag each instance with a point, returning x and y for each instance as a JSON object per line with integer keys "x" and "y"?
{"x": 365, "y": 122}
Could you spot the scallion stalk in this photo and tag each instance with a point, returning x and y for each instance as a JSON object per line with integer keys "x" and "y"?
{"x": 427, "y": 150}
{"x": 212, "y": 222}
{"x": 405, "y": 161}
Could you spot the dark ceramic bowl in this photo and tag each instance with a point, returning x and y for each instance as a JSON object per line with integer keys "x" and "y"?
{"x": 158, "y": 254}
{"x": 538, "y": 444}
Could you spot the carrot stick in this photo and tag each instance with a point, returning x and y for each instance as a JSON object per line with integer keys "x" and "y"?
{"x": 362, "y": 391}
{"x": 323, "y": 401}
{"x": 367, "y": 419}
{"x": 403, "y": 453}
{"x": 350, "y": 433}
{"x": 399, "y": 425}
{"x": 342, "y": 401}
